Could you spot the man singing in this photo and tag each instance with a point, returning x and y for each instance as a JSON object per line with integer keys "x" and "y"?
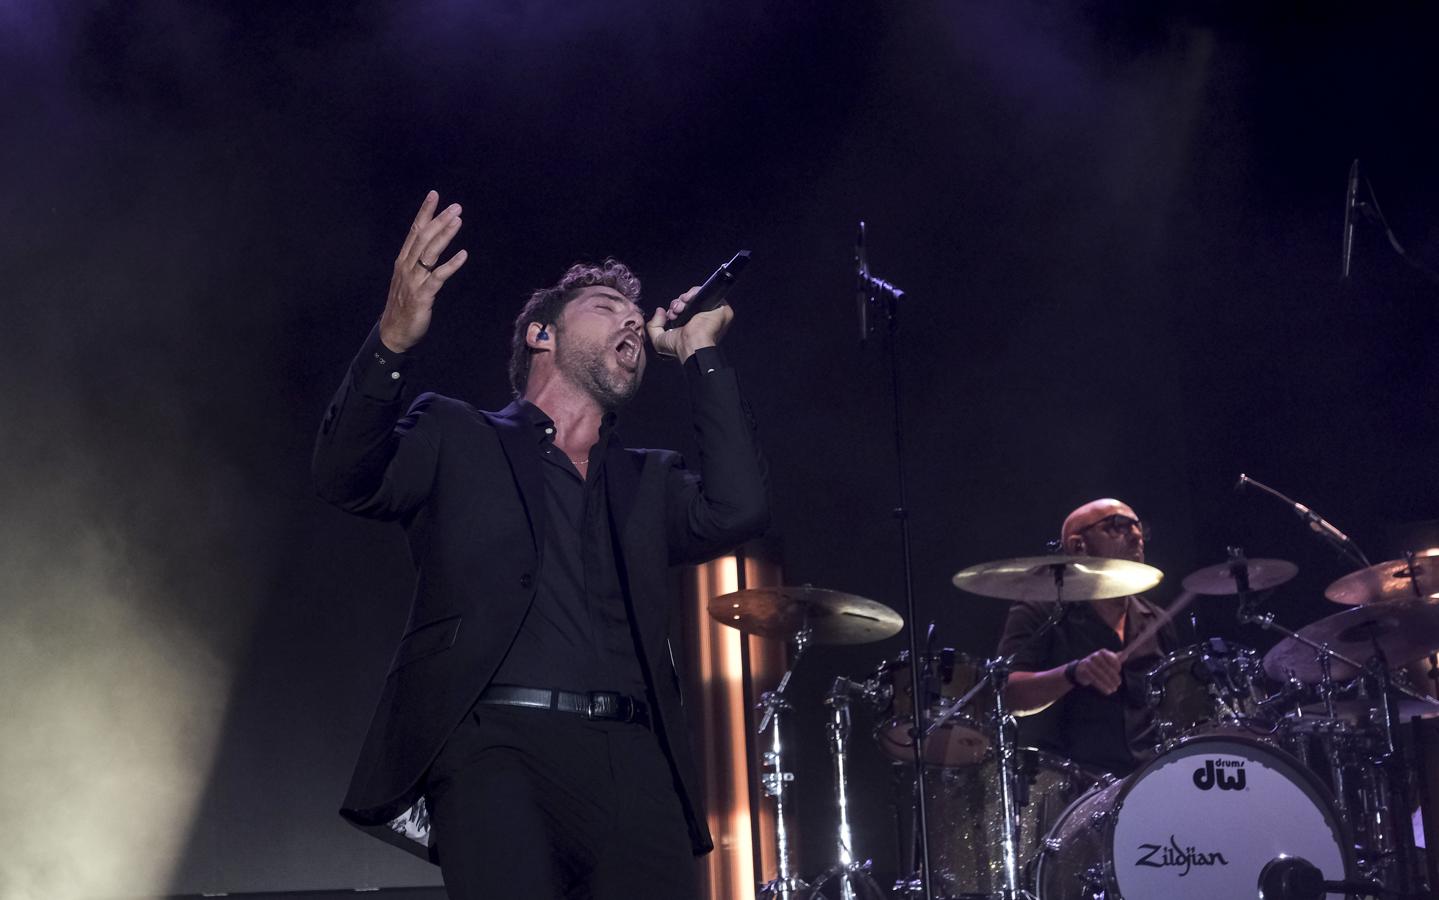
{"x": 532, "y": 703}
{"x": 1088, "y": 704}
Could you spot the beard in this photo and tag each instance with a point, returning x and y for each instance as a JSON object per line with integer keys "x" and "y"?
{"x": 588, "y": 366}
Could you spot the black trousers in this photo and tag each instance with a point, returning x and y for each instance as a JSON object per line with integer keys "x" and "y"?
{"x": 543, "y": 805}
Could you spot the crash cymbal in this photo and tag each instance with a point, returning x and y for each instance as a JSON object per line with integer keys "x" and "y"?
{"x": 1218, "y": 580}
{"x": 834, "y": 617}
{"x": 1402, "y": 629}
{"x": 1393, "y": 580}
{"x": 1040, "y": 577}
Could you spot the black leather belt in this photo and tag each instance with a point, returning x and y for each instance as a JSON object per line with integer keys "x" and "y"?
{"x": 609, "y": 706}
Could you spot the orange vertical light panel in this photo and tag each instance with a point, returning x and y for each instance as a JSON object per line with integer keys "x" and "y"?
{"x": 727, "y": 688}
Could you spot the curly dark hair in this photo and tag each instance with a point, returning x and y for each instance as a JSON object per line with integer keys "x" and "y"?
{"x": 546, "y": 304}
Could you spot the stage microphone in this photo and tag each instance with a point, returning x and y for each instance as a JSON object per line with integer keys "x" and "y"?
{"x": 861, "y": 283}
{"x": 1317, "y": 523}
{"x": 713, "y": 291}
{"x": 1351, "y": 198}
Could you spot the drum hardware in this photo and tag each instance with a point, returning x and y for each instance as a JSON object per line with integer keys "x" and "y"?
{"x": 803, "y": 615}
{"x": 1032, "y": 578}
{"x": 967, "y": 818}
{"x": 1296, "y": 878}
{"x": 852, "y": 877}
{"x": 776, "y": 782}
{"x": 1319, "y": 652}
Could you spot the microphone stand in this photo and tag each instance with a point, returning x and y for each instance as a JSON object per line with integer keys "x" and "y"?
{"x": 876, "y": 292}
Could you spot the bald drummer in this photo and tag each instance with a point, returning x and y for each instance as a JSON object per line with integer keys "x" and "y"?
{"x": 1077, "y": 698}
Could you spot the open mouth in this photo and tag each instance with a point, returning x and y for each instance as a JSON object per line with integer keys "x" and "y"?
{"x": 628, "y": 350}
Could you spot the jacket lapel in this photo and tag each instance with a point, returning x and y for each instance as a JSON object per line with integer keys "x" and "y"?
{"x": 517, "y": 439}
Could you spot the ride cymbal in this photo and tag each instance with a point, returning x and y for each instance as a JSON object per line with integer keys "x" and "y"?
{"x": 1403, "y": 630}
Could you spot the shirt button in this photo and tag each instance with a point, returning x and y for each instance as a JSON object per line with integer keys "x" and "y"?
{"x": 549, "y": 430}
{"x": 526, "y": 580}
{"x": 394, "y": 376}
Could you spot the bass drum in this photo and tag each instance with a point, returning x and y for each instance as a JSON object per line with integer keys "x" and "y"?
{"x": 1197, "y": 823}
{"x": 966, "y": 817}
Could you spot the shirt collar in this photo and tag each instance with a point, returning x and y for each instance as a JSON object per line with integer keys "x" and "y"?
{"x": 545, "y": 426}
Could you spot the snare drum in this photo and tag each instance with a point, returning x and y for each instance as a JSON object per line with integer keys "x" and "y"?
{"x": 1204, "y": 685}
{"x": 963, "y": 740}
{"x": 1198, "y": 822}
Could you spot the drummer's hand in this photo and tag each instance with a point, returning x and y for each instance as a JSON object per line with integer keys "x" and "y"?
{"x": 1100, "y": 670}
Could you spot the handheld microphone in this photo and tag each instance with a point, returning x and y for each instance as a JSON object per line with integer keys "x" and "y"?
{"x": 1351, "y": 197}
{"x": 712, "y": 293}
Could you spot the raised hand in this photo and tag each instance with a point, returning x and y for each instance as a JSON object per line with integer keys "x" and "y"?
{"x": 419, "y": 275}
{"x": 702, "y": 330}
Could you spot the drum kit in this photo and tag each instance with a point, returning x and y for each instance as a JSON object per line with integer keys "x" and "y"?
{"x": 1281, "y": 776}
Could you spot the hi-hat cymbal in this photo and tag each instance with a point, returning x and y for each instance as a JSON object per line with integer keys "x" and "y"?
{"x": 1403, "y": 630}
{"x": 1058, "y": 577}
{"x": 833, "y": 617}
{"x": 1393, "y": 580}
{"x": 1218, "y": 580}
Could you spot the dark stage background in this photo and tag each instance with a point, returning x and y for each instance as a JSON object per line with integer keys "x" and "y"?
{"x": 1118, "y": 224}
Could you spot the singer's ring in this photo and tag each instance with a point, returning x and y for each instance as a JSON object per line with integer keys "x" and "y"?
{"x": 428, "y": 267}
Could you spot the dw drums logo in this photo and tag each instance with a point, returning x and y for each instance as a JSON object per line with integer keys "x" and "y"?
{"x": 1225, "y": 774}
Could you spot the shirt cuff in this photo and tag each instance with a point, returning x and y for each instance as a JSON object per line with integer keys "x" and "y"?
{"x": 380, "y": 371}
{"x": 705, "y": 361}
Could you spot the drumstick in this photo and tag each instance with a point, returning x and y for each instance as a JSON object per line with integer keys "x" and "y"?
{"x": 1164, "y": 617}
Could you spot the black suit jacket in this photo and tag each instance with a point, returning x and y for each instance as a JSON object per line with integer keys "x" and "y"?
{"x": 467, "y": 487}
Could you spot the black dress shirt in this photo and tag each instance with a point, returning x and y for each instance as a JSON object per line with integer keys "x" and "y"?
{"x": 579, "y": 634}
{"x": 1113, "y": 733}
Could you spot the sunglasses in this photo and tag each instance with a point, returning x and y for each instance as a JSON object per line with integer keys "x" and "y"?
{"x": 1119, "y": 524}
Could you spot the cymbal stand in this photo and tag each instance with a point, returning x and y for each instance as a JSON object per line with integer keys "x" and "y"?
{"x": 776, "y": 782}
{"x": 853, "y": 878}
{"x": 1396, "y": 862}
{"x": 1249, "y": 614}
{"x": 1006, "y": 744}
